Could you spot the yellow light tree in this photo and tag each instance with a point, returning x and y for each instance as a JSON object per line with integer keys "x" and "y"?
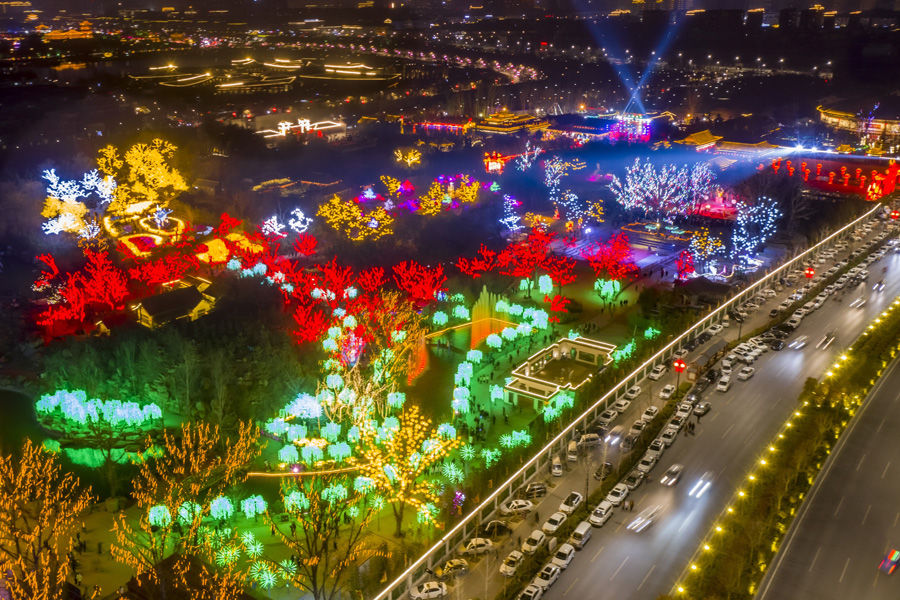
{"x": 392, "y": 184}
{"x": 174, "y": 490}
{"x": 145, "y": 177}
{"x": 595, "y": 211}
{"x": 466, "y": 190}
{"x": 704, "y": 245}
{"x": 409, "y": 157}
{"x": 348, "y": 218}
{"x": 433, "y": 200}
{"x": 397, "y": 460}
{"x": 40, "y": 511}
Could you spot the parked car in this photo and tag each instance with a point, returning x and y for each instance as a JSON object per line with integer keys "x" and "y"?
{"x": 649, "y": 413}
{"x": 495, "y": 528}
{"x": 603, "y": 471}
{"x": 455, "y": 567}
{"x": 547, "y": 577}
{"x": 632, "y": 393}
{"x": 477, "y": 546}
{"x": 564, "y": 555}
{"x": 633, "y": 480}
{"x": 554, "y": 522}
{"x": 531, "y": 592}
{"x": 534, "y": 490}
{"x": 572, "y": 502}
{"x": 646, "y": 464}
{"x": 511, "y": 563}
{"x": 617, "y": 494}
{"x": 516, "y": 507}
{"x": 601, "y": 514}
{"x": 607, "y": 416}
{"x": 657, "y": 372}
{"x": 667, "y": 391}
{"x": 534, "y": 541}
{"x": 428, "y": 590}
{"x": 668, "y": 436}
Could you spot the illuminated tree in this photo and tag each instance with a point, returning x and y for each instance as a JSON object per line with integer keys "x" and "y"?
{"x": 40, "y": 512}
{"x": 327, "y": 533}
{"x": 97, "y": 431}
{"x": 144, "y": 175}
{"x": 657, "y": 192}
{"x": 705, "y": 246}
{"x": 612, "y": 259}
{"x": 348, "y": 218}
{"x": 701, "y": 182}
{"x": 397, "y": 461}
{"x": 174, "y": 490}
{"x": 754, "y": 226}
{"x": 408, "y": 157}
{"x": 554, "y": 170}
{"x": 484, "y": 262}
{"x": 684, "y": 264}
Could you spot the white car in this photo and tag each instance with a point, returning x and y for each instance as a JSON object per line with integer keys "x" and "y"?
{"x": 668, "y": 436}
{"x": 799, "y": 342}
{"x": 564, "y": 555}
{"x": 729, "y": 361}
{"x": 715, "y": 329}
{"x": 534, "y": 541}
{"x": 768, "y": 293}
{"x": 607, "y": 416}
{"x": 680, "y": 353}
{"x": 517, "y": 507}
{"x": 646, "y": 463}
{"x": 650, "y": 413}
{"x": 428, "y": 590}
{"x": 724, "y": 384}
{"x": 684, "y": 410}
{"x": 554, "y": 522}
{"x": 746, "y": 373}
{"x": 572, "y": 501}
{"x": 532, "y": 592}
{"x": 511, "y": 563}
{"x": 632, "y": 393}
{"x": 667, "y": 391}
{"x": 637, "y": 427}
{"x": 601, "y": 514}
{"x": 617, "y": 494}
{"x": 656, "y": 447}
{"x": 672, "y": 475}
{"x": 702, "y": 485}
{"x": 645, "y": 518}
{"x": 657, "y": 372}
{"x": 547, "y": 577}
{"x": 477, "y": 546}
{"x": 622, "y": 404}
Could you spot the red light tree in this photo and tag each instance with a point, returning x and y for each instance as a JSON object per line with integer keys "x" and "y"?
{"x": 612, "y": 259}
{"x": 684, "y": 264}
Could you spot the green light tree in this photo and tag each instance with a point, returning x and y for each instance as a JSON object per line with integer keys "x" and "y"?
{"x": 174, "y": 492}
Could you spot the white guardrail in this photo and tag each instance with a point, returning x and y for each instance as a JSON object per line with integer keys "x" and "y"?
{"x": 484, "y": 511}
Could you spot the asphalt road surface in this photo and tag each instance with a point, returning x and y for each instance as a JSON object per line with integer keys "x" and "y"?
{"x": 852, "y": 516}
{"x": 727, "y": 440}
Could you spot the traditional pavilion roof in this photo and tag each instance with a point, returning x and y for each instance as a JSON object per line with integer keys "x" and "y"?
{"x": 700, "y": 138}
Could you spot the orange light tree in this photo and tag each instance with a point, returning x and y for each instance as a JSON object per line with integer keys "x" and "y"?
{"x": 174, "y": 490}
{"x": 397, "y": 459}
{"x": 40, "y": 508}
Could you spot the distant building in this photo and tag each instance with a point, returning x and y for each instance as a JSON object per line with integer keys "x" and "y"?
{"x": 84, "y": 32}
{"x": 506, "y": 122}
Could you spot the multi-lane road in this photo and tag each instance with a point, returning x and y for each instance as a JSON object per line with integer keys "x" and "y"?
{"x": 852, "y": 514}
{"x": 632, "y": 565}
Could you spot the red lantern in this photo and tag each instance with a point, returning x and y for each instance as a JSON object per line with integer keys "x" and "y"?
{"x": 858, "y": 172}
{"x": 831, "y": 177}
{"x": 846, "y": 179}
{"x": 809, "y": 272}
{"x": 895, "y": 214}
{"x": 790, "y": 171}
{"x": 679, "y": 365}
{"x": 818, "y": 169}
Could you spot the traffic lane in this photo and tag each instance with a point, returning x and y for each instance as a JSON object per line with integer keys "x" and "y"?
{"x": 853, "y": 517}
{"x": 746, "y": 417}
{"x": 786, "y": 374}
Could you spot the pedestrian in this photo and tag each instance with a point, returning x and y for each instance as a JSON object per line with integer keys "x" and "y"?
{"x": 99, "y": 547}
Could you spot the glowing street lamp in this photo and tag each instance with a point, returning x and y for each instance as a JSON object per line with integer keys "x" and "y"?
{"x": 679, "y": 365}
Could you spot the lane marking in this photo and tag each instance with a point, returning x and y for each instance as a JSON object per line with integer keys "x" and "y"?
{"x": 644, "y": 580}
{"x": 896, "y": 518}
{"x": 866, "y": 516}
{"x": 813, "y": 563}
{"x": 727, "y": 431}
{"x": 598, "y": 553}
{"x": 844, "y": 572}
{"x": 838, "y": 506}
{"x": 570, "y": 587}
{"x": 613, "y": 576}
{"x": 859, "y": 464}
{"x": 883, "y": 473}
{"x": 880, "y": 425}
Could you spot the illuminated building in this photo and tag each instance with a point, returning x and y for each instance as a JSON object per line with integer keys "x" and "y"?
{"x": 701, "y": 141}
{"x": 191, "y": 298}
{"x": 448, "y": 126}
{"x": 872, "y": 121}
{"x": 566, "y": 365}
{"x": 505, "y": 122}
{"x": 84, "y": 32}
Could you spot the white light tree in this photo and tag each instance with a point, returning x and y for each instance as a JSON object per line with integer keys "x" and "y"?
{"x": 754, "y": 226}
